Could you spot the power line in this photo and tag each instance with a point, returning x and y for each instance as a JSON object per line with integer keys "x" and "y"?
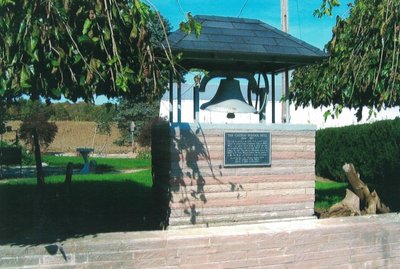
{"x": 180, "y": 8}
{"x": 241, "y": 10}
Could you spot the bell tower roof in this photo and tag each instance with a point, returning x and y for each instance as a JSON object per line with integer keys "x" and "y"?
{"x": 245, "y": 44}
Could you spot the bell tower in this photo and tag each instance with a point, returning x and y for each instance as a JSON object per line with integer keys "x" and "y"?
{"x": 207, "y": 174}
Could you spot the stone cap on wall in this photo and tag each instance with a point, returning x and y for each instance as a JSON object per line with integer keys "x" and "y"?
{"x": 241, "y": 127}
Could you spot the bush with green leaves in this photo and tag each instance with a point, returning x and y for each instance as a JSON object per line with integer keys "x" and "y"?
{"x": 142, "y": 113}
{"x": 374, "y": 149}
{"x": 27, "y": 157}
{"x": 143, "y": 154}
{"x": 362, "y": 69}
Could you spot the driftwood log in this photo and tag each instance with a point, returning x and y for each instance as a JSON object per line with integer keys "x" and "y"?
{"x": 369, "y": 201}
{"x": 359, "y": 202}
{"x": 349, "y": 206}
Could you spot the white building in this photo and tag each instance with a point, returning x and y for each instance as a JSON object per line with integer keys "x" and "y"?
{"x": 308, "y": 115}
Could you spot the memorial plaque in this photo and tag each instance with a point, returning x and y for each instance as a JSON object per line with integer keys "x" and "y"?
{"x": 247, "y": 149}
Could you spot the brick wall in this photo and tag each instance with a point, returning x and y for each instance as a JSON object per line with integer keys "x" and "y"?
{"x": 189, "y": 160}
{"x": 352, "y": 242}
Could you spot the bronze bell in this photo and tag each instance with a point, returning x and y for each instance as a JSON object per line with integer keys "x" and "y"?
{"x": 228, "y": 99}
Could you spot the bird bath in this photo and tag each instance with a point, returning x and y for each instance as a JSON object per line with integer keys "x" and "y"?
{"x": 85, "y": 155}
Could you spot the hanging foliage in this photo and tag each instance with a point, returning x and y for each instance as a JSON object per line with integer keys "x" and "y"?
{"x": 77, "y": 48}
{"x": 364, "y": 64}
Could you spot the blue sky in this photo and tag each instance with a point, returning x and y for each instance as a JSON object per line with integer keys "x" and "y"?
{"x": 302, "y": 23}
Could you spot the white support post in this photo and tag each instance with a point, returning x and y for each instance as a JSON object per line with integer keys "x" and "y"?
{"x": 179, "y": 95}
{"x": 285, "y": 75}
{"x": 287, "y": 96}
{"x": 171, "y": 96}
{"x": 273, "y": 96}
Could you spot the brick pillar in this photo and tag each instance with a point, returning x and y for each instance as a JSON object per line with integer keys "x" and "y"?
{"x": 188, "y": 166}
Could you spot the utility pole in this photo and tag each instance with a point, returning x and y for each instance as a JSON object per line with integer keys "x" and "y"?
{"x": 285, "y": 75}
{"x": 284, "y": 16}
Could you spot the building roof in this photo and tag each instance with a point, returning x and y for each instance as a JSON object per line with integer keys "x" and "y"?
{"x": 242, "y": 44}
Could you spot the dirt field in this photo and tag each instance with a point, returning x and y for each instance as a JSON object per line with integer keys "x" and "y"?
{"x": 76, "y": 134}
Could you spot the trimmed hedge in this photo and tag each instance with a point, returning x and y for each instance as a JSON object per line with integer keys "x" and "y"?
{"x": 373, "y": 148}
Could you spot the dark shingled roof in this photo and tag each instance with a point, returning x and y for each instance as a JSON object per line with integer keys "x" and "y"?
{"x": 227, "y": 43}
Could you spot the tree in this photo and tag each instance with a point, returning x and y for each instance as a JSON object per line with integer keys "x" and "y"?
{"x": 3, "y": 117}
{"x": 37, "y": 131}
{"x": 105, "y": 118}
{"x": 138, "y": 110}
{"x": 363, "y": 68}
{"x": 76, "y": 49}
{"x": 35, "y": 118}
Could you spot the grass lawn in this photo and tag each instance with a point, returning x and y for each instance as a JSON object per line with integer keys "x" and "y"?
{"x": 103, "y": 164}
{"x": 329, "y": 193}
{"x": 95, "y": 204}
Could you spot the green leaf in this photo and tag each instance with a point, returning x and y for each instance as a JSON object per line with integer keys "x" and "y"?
{"x": 55, "y": 63}
{"x": 35, "y": 55}
{"x": 56, "y": 92}
{"x": 112, "y": 61}
{"x": 107, "y": 34}
{"x": 77, "y": 58}
{"x": 134, "y": 31}
{"x": 33, "y": 43}
{"x": 184, "y": 27}
{"x": 99, "y": 7}
{"x": 82, "y": 80}
{"x": 122, "y": 82}
{"x": 191, "y": 25}
{"x": 21, "y": 30}
{"x": 6, "y": 2}
{"x": 197, "y": 28}
{"x": 62, "y": 53}
{"x": 327, "y": 114}
{"x": 114, "y": 11}
{"x": 24, "y": 77}
{"x": 128, "y": 70}
{"x": 3, "y": 87}
{"x": 83, "y": 38}
{"x": 86, "y": 26}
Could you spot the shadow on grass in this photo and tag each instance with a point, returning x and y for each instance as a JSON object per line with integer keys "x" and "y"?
{"x": 104, "y": 168}
{"x": 91, "y": 207}
{"x": 100, "y": 168}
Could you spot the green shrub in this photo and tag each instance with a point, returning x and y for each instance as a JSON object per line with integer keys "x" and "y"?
{"x": 27, "y": 156}
{"x": 373, "y": 148}
{"x": 143, "y": 153}
{"x": 5, "y": 144}
{"x": 142, "y": 113}
{"x": 144, "y": 138}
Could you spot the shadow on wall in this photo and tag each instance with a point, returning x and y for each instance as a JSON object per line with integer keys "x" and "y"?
{"x": 88, "y": 208}
{"x": 171, "y": 152}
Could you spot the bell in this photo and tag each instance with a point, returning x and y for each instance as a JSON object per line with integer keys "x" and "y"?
{"x": 228, "y": 99}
